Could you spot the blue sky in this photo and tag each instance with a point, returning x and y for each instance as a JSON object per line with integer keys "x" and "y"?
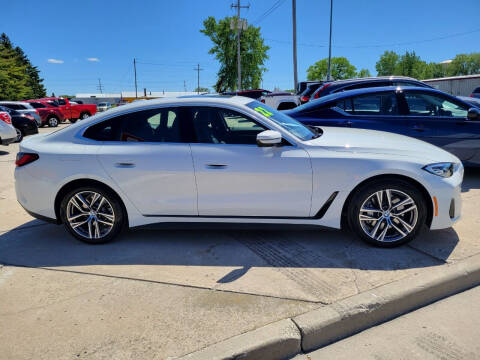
{"x": 99, "y": 39}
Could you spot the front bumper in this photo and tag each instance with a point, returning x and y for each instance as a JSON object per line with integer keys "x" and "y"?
{"x": 446, "y": 196}
{"x": 7, "y": 141}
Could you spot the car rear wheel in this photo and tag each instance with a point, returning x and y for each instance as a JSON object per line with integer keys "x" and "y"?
{"x": 84, "y": 116}
{"x": 387, "y": 213}
{"x": 19, "y": 135}
{"x": 52, "y": 121}
{"x": 92, "y": 214}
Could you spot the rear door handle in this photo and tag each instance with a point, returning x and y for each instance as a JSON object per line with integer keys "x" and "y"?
{"x": 216, "y": 166}
{"x": 124, "y": 165}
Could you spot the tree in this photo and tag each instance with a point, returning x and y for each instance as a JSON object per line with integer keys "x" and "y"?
{"x": 252, "y": 49}
{"x": 202, "y": 89}
{"x": 364, "y": 73}
{"x": 19, "y": 79}
{"x": 464, "y": 64}
{"x": 387, "y": 63}
{"x": 411, "y": 65}
{"x": 340, "y": 69}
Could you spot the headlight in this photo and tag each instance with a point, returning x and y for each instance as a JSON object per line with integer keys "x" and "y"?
{"x": 442, "y": 169}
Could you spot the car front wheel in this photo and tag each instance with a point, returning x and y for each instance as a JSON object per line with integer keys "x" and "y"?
{"x": 387, "y": 213}
{"x": 93, "y": 215}
{"x": 52, "y": 121}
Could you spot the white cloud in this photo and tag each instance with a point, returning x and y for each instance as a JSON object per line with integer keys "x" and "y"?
{"x": 93, "y": 59}
{"x": 55, "y": 61}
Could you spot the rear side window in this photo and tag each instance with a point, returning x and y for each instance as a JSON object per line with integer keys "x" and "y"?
{"x": 108, "y": 130}
{"x": 375, "y": 104}
{"x": 62, "y": 102}
{"x": 345, "y": 105}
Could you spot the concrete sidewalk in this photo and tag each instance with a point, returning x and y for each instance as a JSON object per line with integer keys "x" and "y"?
{"x": 168, "y": 293}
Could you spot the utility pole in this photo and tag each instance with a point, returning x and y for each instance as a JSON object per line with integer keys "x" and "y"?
{"x": 197, "y": 69}
{"x": 239, "y": 65}
{"x": 135, "y": 71}
{"x": 294, "y": 23}
{"x": 99, "y": 86}
{"x": 330, "y": 43}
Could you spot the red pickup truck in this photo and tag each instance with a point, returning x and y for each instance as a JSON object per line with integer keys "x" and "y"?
{"x": 72, "y": 112}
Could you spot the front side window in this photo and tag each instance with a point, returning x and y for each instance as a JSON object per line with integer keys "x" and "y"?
{"x": 375, "y": 104}
{"x": 224, "y": 126}
{"x": 62, "y": 102}
{"x": 420, "y": 104}
{"x": 37, "y": 105}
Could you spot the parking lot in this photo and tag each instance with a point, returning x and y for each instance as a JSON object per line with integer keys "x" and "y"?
{"x": 168, "y": 292}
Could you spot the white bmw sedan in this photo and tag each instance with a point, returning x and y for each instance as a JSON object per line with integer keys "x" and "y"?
{"x": 230, "y": 159}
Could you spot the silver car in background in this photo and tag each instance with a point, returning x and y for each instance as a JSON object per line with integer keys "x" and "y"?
{"x": 24, "y": 108}
{"x": 103, "y": 106}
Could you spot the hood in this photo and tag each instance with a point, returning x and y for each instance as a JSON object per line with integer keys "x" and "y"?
{"x": 379, "y": 142}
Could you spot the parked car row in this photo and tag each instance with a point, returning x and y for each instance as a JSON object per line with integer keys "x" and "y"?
{"x": 23, "y": 123}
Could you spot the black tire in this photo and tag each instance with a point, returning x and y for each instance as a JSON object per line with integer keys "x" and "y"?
{"x": 84, "y": 116}
{"x": 112, "y": 199}
{"x": 52, "y": 121}
{"x": 399, "y": 187}
{"x": 73, "y": 121}
{"x": 20, "y": 135}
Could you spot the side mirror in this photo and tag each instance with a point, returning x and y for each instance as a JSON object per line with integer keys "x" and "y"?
{"x": 473, "y": 114}
{"x": 269, "y": 138}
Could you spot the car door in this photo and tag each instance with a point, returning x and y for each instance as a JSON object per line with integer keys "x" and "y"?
{"x": 237, "y": 178}
{"x": 65, "y": 108}
{"x": 442, "y": 121}
{"x": 146, "y": 156}
{"x": 375, "y": 111}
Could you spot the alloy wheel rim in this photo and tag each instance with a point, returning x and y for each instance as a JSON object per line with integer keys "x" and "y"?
{"x": 90, "y": 215}
{"x": 53, "y": 122}
{"x": 388, "y": 215}
{"x": 19, "y": 134}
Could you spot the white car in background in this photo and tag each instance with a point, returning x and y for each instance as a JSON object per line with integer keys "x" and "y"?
{"x": 233, "y": 160}
{"x": 103, "y": 106}
{"x": 281, "y": 100}
{"x": 8, "y": 134}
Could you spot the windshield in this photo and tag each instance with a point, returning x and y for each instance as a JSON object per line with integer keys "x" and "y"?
{"x": 285, "y": 121}
{"x": 102, "y": 104}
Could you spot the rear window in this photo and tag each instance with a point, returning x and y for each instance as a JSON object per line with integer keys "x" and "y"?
{"x": 15, "y": 106}
{"x": 477, "y": 90}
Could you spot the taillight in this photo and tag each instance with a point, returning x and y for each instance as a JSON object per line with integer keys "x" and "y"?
{"x": 471, "y": 95}
{"x": 305, "y": 98}
{"x": 5, "y": 117}
{"x": 262, "y": 100}
{"x": 29, "y": 117}
{"x": 317, "y": 94}
{"x": 25, "y": 158}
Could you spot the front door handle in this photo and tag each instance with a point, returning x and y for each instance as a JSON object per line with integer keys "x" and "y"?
{"x": 347, "y": 123}
{"x": 216, "y": 166}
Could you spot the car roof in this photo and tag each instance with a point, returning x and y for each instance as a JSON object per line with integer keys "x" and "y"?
{"x": 370, "y": 79}
{"x": 362, "y": 91}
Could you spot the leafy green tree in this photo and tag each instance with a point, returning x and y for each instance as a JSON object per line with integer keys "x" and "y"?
{"x": 364, "y": 73}
{"x": 387, "y": 63}
{"x": 252, "y": 49}
{"x": 411, "y": 65}
{"x": 19, "y": 79}
{"x": 464, "y": 64}
{"x": 340, "y": 69}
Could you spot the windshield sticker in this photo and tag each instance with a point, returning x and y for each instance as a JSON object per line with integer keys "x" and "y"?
{"x": 263, "y": 111}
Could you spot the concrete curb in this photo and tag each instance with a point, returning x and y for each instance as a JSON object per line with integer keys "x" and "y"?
{"x": 320, "y": 327}
{"x": 274, "y": 341}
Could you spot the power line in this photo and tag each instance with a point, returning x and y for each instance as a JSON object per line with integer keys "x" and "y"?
{"x": 380, "y": 45}
{"x": 274, "y": 7}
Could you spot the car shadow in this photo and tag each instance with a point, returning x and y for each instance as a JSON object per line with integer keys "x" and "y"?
{"x": 4, "y": 152}
{"x": 471, "y": 179}
{"x": 229, "y": 246}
